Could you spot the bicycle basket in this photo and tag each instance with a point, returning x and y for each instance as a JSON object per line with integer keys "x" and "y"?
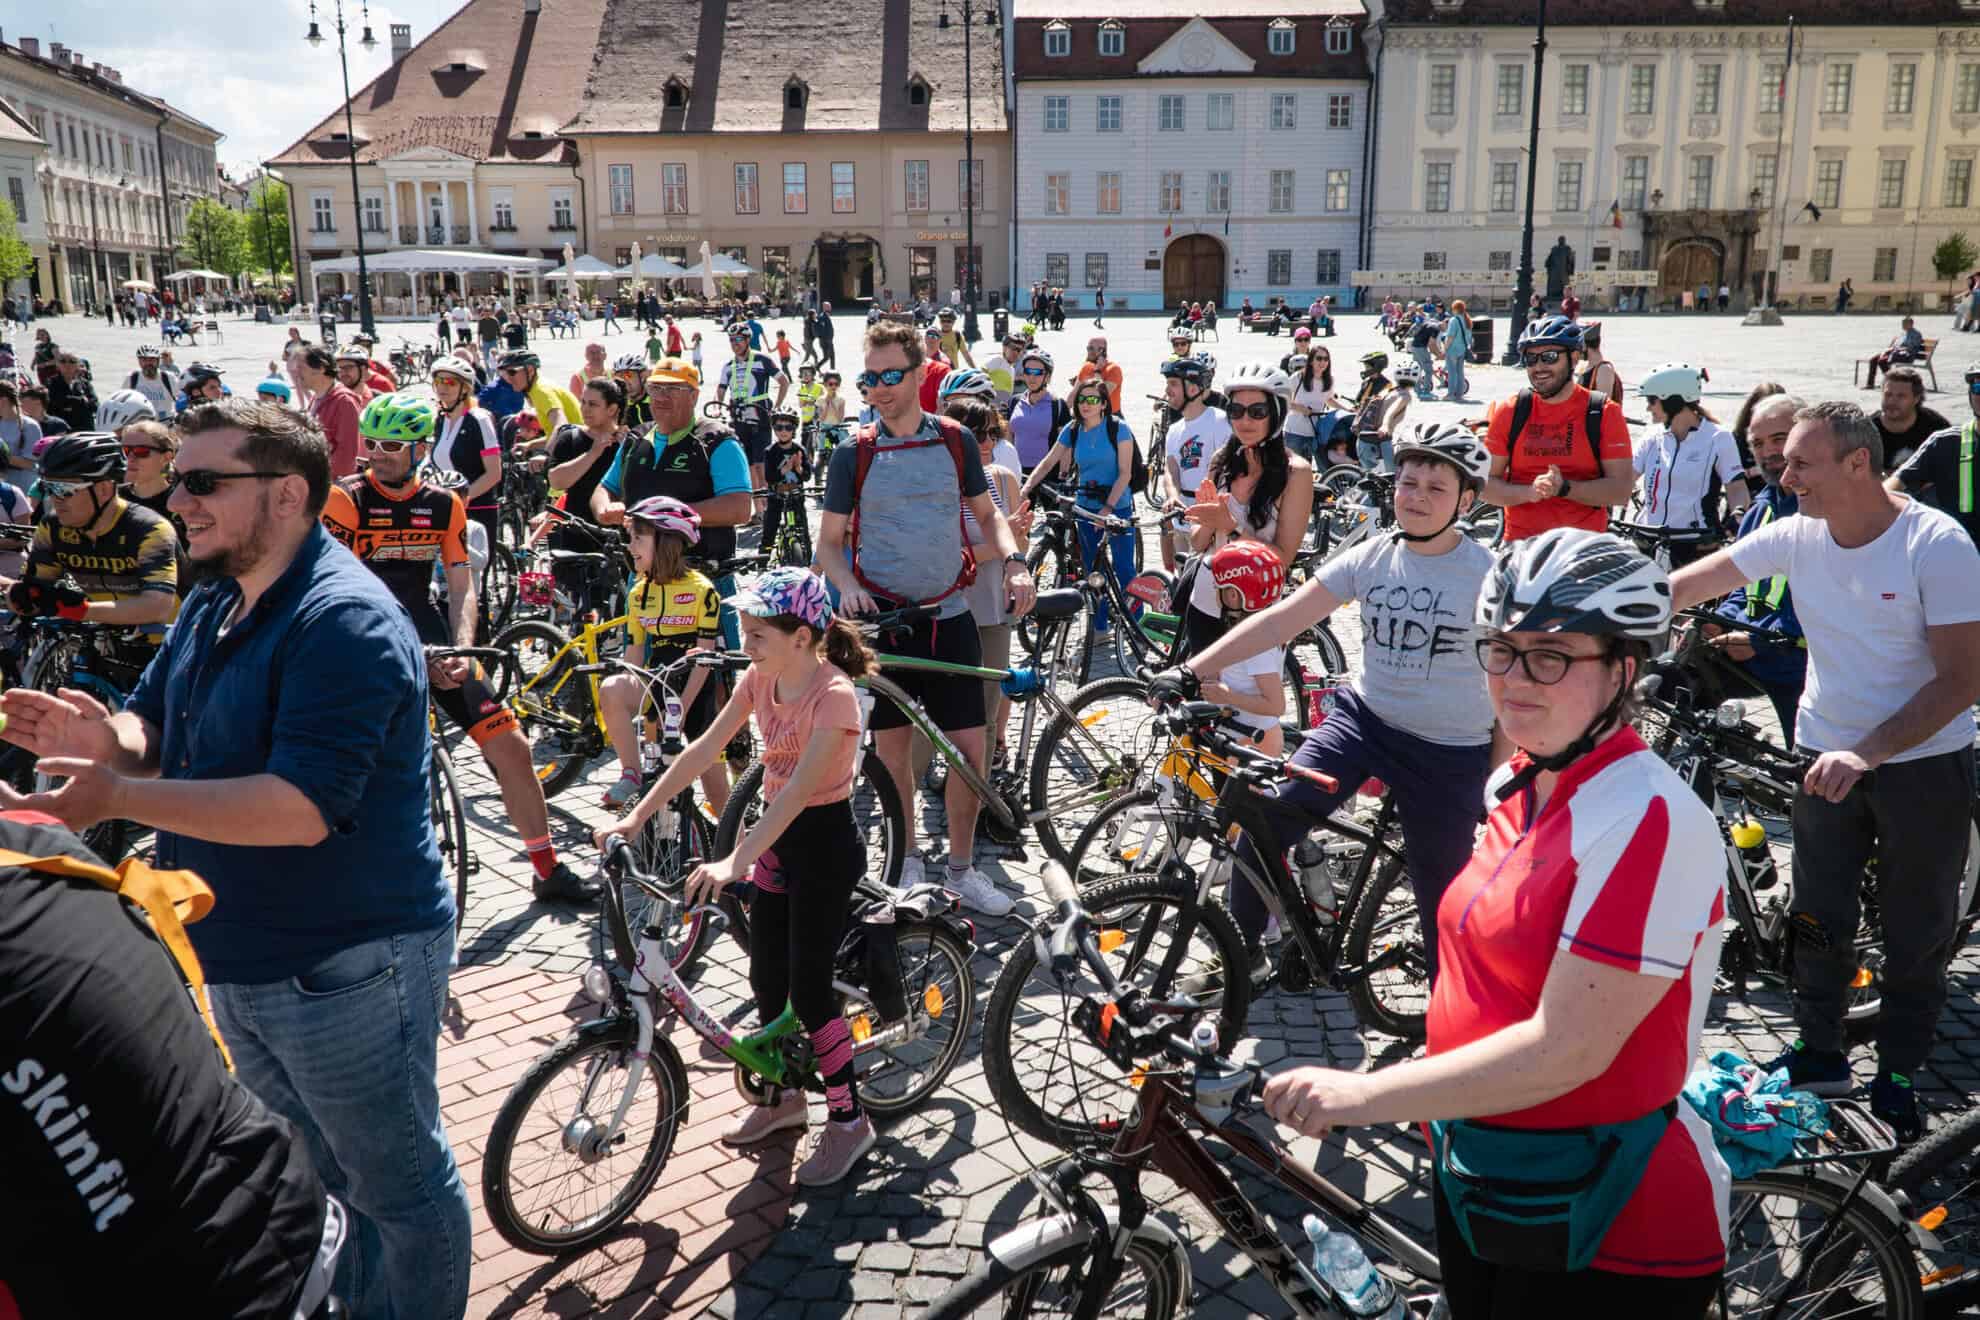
{"x": 535, "y": 589}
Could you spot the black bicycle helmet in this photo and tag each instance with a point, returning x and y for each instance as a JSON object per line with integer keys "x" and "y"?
{"x": 198, "y": 374}
{"x": 520, "y": 357}
{"x": 84, "y": 456}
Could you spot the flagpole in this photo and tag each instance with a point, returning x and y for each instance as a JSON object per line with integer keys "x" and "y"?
{"x": 1780, "y": 166}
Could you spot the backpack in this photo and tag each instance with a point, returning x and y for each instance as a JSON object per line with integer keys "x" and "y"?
{"x": 1523, "y": 409}
{"x": 1138, "y": 470}
{"x": 866, "y": 445}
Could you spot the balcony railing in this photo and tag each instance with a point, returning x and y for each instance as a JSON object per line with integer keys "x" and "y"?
{"x": 409, "y": 234}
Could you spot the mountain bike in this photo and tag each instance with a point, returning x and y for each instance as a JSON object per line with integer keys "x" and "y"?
{"x": 443, "y": 785}
{"x": 101, "y": 659}
{"x": 1055, "y": 562}
{"x": 789, "y": 543}
{"x": 587, "y": 1131}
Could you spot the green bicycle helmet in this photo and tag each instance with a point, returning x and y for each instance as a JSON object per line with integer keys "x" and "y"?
{"x": 401, "y": 416}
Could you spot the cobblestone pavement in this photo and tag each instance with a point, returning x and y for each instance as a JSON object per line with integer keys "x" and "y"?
{"x": 727, "y": 1234}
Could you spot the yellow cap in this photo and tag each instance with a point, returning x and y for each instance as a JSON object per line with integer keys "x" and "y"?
{"x": 674, "y": 371}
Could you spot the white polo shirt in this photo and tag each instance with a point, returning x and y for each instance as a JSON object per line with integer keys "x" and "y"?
{"x": 1677, "y": 474}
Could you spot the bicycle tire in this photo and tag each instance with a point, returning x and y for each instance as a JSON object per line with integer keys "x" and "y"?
{"x": 1314, "y": 660}
{"x": 1395, "y": 1005}
{"x": 669, "y": 1080}
{"x": 957, "y": 1010}
{"x": 1941, "y": 1171}
{"x": 1862, "y": 1232}
{"x": 449, "y": 825}
{"x": 498, "y": 586}
{"x": 690, "y": 842}
{"x": 557, "y": 713}
{"x": 1114, "y": 903}
{"x": 1073, "y": 776}
{"x": 1060, "y": 1244}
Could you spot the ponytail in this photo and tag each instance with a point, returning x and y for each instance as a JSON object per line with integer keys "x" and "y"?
{"x": 846, "y": 648}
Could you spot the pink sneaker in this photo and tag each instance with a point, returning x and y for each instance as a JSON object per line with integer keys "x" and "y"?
{"x": 762, "y": 1122}
{"x": 834, "y": 1151}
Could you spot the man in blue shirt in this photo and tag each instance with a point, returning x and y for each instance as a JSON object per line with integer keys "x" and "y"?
{"x": 1908, "y": 346}
{"x": 1780, "y": 669}
{"x": 278, "y": 744}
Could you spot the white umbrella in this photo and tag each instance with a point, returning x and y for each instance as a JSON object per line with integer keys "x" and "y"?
{"x": 707, "y": 272}
{"x": 145, "y": 285}
{"x": 195, "y": 275}
{"x": 586, "y": 267}
{"x": 653, "y": 266}
{"x": 720, "y": 263}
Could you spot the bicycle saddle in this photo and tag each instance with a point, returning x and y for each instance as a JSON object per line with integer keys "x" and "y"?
{"x": 1060, "y": 604}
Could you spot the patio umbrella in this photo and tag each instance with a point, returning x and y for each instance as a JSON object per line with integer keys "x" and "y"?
{"x": 146, "y": 285}
{"x": 195, "y": 274}
{"x": 706, "y": 269}
{"x": 653, "y": 266}
{"x": 586, "y": 267}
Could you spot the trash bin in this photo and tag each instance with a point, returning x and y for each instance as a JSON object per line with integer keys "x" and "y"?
{"x": 1000, "y": 323}
{"x": 326, "y": 326}
{"x": 1481, "y": 340}
{"x": 262, "y": 316}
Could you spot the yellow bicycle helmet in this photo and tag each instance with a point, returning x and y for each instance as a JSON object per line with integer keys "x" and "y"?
{"x": 401, "y": 416}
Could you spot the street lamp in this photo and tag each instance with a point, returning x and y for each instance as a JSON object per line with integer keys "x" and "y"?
{"x": 315, "y": 38}
{"x": 991, "y": 18}
{"x": 1523, "y": 290}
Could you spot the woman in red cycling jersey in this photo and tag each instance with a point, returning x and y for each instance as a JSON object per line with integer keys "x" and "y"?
{"x": 1578, "y": 950}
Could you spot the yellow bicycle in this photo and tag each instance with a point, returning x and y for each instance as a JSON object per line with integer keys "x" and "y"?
{"x": 554, "y": 693}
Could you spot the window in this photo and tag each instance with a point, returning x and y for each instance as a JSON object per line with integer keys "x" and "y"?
{"x": 676, "y": 96}
{"x": 503, "y": 203}
{"x": 561, "y": 215}
{"x": 1574, "y": 89}
{"x": 1327, "y": 268}
{"x": 1170, "y": 114}
{"x": 1113, "y": 38}
{"x": 917, "y": 92}
{"x": 749, "y": 200}
{"x": 17, "y": 194}
{"x": 1217, "y": 192}
{"x": 1499, "y": 259}
{"x": 1340, "y": 110}
{"x": 1820, "y": 264}
{"x": 374, "y": 215}
{"x": 1504, "y": 185}
{"x": 1766, "y": 177}
{"x": 1433, "y": 261}
{"x": 1337, "y": 190}
{"x": 1828, "y": 183}
{"x": 794, "y": 188}
{"x": 1705, "y": 90}
{"x": 1107, "y": 193}
{"x": 322, "y": 218}
{"x": 776, "y": 261}
{"x": 673, "y": 188}
{"x": 916, "y": 176}
{"x": 1901, "y": 89}
{"x": 1221, "y": 116}
{"x": 1836, "y": 80}
{"x": 621, "y": 178}
{"x": 1966, "y": 90}
{"x": 1642, "y": 89}
{"x": 1279, "y": 38}
{"x": 845, "y": 199}
{"x": 1437, "y": 186}
{"x": 1512, "y": 82}
{"x": 1107, "y": 114}
{"x": 1278, "y": 266}
{"x": 1890, "y": 183}
{"x": 1281, "y": 198}
{"x": 130, "y": 162}
{"x": 1340, "y": 38}
{"x": 1096, "y": 270}
{"x": 1959, "y": 182}
{"x": 1443, "y": 89}
{"x": 1698, "y": 182}
{"x": 1168, "y": 194}
{"x": 1058, "y": 194}
{"x": 1567, "y": 185}
{"x": 921, "y": 271}
{"x": 969, "y": 184}
{"x": 1773, "y": 86}
{"x": 1883, "y": 267}
{"x": 1635, "y": 182}
{"x": 1058, "y": 114}
{"x": 1058, "y": 269}
{"x": 794, "y": 95}
{"x": 1058, "y": 40}
{"x": 1285, "y": 110}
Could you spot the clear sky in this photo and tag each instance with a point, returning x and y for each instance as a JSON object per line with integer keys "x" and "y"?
{"x": 240, "y": 65}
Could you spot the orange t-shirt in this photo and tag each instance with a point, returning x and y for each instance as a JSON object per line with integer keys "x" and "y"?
{"x": 829, "y": 701}
{"x": 1112, "y": 375}
{"x": 1556, "y": 435}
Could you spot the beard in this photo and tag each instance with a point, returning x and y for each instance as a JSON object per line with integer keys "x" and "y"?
{"x": 237, "y": 560}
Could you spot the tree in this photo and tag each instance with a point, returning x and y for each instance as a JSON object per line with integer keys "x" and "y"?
{"x": 268, "y": 227}
{"x": 16, "y": 257}
{"x": 215, "y": 237}
{"x": 1954, "y": 256}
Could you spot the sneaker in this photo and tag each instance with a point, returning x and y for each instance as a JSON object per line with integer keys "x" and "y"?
{"x": 1818, "y": 1072}
{"x": 1892, "y": 1099}
{"x": 834, "y": 1151}
{"x": 1210, "y": 981}
{"x": 912, "y": 872}
{"x": 762, "y": 1122}
{"x": 622, "y": 794}
{"x": 1272, "y": 933}
{"x": 563, "y": 886}
{"x": 978, "y": 893}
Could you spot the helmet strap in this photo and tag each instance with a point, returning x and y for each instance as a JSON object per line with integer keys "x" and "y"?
{"x": 1568, "y": 755}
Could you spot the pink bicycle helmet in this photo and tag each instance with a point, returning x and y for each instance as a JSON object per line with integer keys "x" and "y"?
{"x": 669, "y": 515}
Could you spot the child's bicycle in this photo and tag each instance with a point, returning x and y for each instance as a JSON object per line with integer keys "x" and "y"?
{"x": 789, "y": 543}
{"x": 586, "y": 1133}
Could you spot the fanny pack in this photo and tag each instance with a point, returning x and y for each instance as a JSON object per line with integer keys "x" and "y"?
{"x": 1542, "y": 1199}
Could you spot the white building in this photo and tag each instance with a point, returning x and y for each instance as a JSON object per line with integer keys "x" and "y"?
{"x": 1680, "y": 121}
{"x": 1170, "y": 156}
{"x": 21, "y": 154}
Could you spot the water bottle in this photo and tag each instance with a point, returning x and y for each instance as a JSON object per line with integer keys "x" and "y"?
{"x": 1750, "y": 837}
{"x": 1339, "y": 1259}
{"x": 1203, "y": 1038}
{"x": 1317, "y": 878}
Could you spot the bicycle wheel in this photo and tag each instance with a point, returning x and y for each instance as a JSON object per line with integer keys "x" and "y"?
{"x": 449, "y": 826}
{"x": 1385, "y": 922}
{"x": 547, "y": 1186}
{"x": 1102, "y": 744}
{"x": 1058, "y": 1087}
{"x": 665, "y": 849}
{"x": 1864, "y": 1268}
{"x": 1314, "y": 661}
{"x": 1941, "y": 1173}
{"x": 498, "y": 586}
{"x": 902, "y": 1063}
{"x": 552, "y": 703}
{"x": 1046, "y": 1275}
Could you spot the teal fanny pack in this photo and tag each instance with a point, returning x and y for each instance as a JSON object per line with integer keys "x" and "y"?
{"x": 1542, "y": 1199}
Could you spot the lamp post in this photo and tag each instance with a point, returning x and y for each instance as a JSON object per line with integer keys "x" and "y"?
{"x": 971, "y": 274}
{"x": 315, "y": 38}
{"x": 1523, "y": 290}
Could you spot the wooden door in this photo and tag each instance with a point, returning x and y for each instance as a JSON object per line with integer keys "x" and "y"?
{"x": 1193, "y": 271}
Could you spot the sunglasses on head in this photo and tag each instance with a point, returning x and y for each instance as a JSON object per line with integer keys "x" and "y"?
{"x": 1257, "y": 412}
{"x": 1545, "y": 357}
{"x": 387, "y": 446}
{"x": 205, "y": 481}
{"x": 891, "y": 376}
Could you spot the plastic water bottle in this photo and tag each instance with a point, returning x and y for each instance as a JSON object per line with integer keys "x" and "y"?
{"x": 1317, "y": 878}
{"x": 1203, "y": 1038}
{"x": 1340, "y": 1261}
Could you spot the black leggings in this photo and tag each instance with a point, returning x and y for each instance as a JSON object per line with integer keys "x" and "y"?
{"x": 795, "y": 933}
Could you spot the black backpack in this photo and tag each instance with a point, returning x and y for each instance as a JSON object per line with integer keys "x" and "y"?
{"x": 1523, "y": 409}
{"x": 1138, "y": 472}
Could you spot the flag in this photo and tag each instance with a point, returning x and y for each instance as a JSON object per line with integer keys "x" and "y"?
{"x": 1168, "y": 231}
{"x": 1615, "y": 214}
{"x": 1227, "y": 224}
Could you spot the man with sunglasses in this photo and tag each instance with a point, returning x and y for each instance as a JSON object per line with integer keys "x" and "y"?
{"x": 333, "y": 406}
{"x": 71, "y": 396}
{"x": 555, "y": 406}
{"x": 1942, "y": 469}
{"x": 1556, "y": 460}
{"x": 1003, "y": 369}
{"x": 744, "y": 385}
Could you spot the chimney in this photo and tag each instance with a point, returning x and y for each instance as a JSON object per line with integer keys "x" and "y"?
{"x": 58, "y": 52}
{"x": 532, "y": 6}
{"x": 76, "y": 60}
{"x": 401, "y": 41}
{"x": 114, "y": 75}
{"x": 31, "y": 47}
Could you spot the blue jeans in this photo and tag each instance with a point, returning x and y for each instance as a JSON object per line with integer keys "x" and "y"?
{"x": 1422, "y": 356}
{"x": 347, "y": 1052}
{"x": 1376, "y": 454}
{"x": 1454, "y": 372}
{"x": 1122, "y": 544}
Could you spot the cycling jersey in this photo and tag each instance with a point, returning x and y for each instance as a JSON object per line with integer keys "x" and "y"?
{"x": 402, "y": 536}
{"x": 1624, "y": 866}
{"x": 745, "y": 385}
{"x": 693, "y": 465}
{"x": 1682, "y": 478}
{"x": 466, "y": 444}
{"x": 669, "y": 619}
{"x": 139, "y": 553}
{"x": 544, "y": 396}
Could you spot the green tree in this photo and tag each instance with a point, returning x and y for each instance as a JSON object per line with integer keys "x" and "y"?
{"x": 215, "y": 237}
{"x": 16, "y": 257}
{"x": 1954, "y": 256}
{"x": 268, "y": 227}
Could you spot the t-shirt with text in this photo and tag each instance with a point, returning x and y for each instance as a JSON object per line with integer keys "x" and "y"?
{"x": 1192, "y": 441}
{"x": 1556, "y": 435}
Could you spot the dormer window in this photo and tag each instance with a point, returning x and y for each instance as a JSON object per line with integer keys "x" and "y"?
{"x": 676, "y": 94}
{"x": 1113, "y": 38}
{"x": 795, "y": 93}
{"x": 917, "y": 90}
{"x": 1340, "y": 37}
{"x": 1058, "y": 39}
{"x": 1279, "y": 37}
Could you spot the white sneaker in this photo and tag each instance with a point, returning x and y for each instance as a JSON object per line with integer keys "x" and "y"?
{"x": 978, "y": 893}
{"x": 911, "y": 872}
{"x": 1272, "y": 932}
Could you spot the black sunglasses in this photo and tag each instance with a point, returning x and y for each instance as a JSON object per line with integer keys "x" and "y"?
{"x": 1257, "y": 412}
{"x": 891, "y": 376}
{"x": 205, "y": 481}
{"x": 1545, "y": 357}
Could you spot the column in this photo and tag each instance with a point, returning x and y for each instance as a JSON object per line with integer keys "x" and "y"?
{"x": 392, "y": 208}
{"x": 473, "y": 239}
{"x": 447, "y": 211}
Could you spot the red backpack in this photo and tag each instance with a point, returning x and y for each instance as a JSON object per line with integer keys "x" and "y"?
{"x": 866, "y": 444}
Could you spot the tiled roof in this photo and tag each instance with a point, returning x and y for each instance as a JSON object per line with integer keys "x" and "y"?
{"x": 523, "y": 72}
{"x": 1143, "y": 36}
{"x": 856, "y": 57}
{"x": 1126, "y": 9}
{"x": 1731, "y": 13}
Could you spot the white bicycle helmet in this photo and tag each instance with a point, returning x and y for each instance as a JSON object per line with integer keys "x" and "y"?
{"x": 1572, "y": 580}
{"x": 630, "y": 362}
{"x": 1451, "y": 443}
{"x": 1408, "y": 373}
{"x": 1263, "y": 376}
{"x": 459, "y": 370}
{"x": 1673, "y": 380}
{"x": 122, "y": 408}
{"x": 967, "y": 383}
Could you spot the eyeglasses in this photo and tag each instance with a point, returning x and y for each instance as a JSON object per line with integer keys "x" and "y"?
{"x": 139, "y": 451}
{"x": 510, "y": 371}
{"x": 387, "y": 446}
{"x": 891, "y": 376}
{"x": 205, "y": 481}
{"x": 1257, "y": 412}
{"x": 1545, "y": 357}
{"x": 1543, "y": 666}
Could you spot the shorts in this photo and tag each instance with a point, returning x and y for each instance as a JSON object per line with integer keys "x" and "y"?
{"x": 755, "y": 437}
{"x": 952, "y": 702}
{"x": 473, "y": 707}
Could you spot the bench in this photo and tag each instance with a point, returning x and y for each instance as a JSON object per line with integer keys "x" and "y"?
{"x": 1922, "y": 363}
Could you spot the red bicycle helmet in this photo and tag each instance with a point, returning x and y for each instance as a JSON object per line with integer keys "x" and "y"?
{"x": 1253, "y": 568}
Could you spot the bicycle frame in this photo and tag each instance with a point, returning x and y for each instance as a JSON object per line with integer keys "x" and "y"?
{"x": 586, "y": 644}
{"x": 879, "y": 685}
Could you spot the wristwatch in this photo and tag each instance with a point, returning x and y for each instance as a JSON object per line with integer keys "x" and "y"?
{"x": 1566, "y": 486}
{"x": 1018, "y": 560}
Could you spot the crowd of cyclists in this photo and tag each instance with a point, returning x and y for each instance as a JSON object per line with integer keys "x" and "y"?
{"x": 1568, "y": 883}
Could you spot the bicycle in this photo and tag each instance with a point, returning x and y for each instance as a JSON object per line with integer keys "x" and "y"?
{"x": 789, "y": 543}
{"x": 101, "y": 659}
{"x": 1143, "y": 631}
{"x": 444, "y": 792}
{"x": 902, "y": 975}
{"x": 1669, "y": 547}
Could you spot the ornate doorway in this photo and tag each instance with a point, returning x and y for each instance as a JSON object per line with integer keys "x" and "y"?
{"x": 1688, "y": 264}
{"x": 1193, "y": 271}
